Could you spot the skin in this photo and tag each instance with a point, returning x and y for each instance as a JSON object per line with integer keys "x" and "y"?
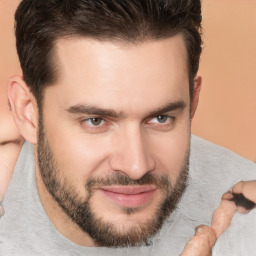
{"x": 248, "y": 189}
{"x": 10, "y": 138}
{"x": 9, "y": 152}
{"x": 206, "y": 236}
{"x": 133, "y": 143}
{"x": 10, "y": 141}
{"x": 10, "y": 144}
{"x": 25, "y": 112}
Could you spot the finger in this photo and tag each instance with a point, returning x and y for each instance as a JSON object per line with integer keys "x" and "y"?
{"x": 201, "y": 244}
{"x": 247, "y": 188}
{"x": 243, "y": 204}
{"x": 9, "y": 153}
{"x": 222, "y": 216}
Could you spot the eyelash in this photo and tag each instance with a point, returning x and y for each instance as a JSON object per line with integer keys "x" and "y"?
{"x": 168, "y": 125}
{"x": 91, "y": 119}
{"x": 163, "y": 116}
{"x": 84, "y": 122}
{"x": 102, "y": 127}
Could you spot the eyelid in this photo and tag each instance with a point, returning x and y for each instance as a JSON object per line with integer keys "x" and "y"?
{"x": 163, "y": 115}
{"x": 167, "y": 126}
{"x": 94, "y": 129}
{"x": 84, "y": 122}
{"x": 91, "y": 118}
{"x": 83, "y": 118}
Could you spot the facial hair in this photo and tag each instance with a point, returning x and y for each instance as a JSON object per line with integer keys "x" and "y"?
{"x": 80, "y": 210}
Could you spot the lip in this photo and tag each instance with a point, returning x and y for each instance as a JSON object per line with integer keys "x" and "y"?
{"x": 129, "y": 196}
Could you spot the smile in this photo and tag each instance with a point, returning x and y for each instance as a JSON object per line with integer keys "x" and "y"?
{"x": 129, "y": 196}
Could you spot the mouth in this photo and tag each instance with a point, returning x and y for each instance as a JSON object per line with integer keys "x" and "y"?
{"x": 129, "y": 196}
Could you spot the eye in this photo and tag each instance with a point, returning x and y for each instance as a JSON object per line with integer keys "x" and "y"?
{"x": 95, "y": 121}
{"x": 95, "y": 125}
{"x": 161, "y": 119}
{"x": 162, "y": 122}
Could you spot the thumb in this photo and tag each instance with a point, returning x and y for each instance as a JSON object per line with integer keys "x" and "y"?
{"x": 201, "y": 244}
{"x": 222, "y": 216}
{"x": 205, "y": 236}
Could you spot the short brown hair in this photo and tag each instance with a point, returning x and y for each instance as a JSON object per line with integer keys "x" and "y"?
{"x": 39, "y": 23}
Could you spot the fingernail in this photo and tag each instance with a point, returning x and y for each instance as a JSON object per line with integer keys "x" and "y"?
{"x": 198, "y": 229}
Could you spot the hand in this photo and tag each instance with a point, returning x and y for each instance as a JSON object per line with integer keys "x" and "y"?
{"x": 205, "y": 236}
{"x": 242, "y": 198}
{"x": 245, "y": 196}
{"x": 9, "y": 152}
{"x": 10, "y": 143}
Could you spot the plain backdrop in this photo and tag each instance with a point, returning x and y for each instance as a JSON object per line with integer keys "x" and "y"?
{"x": 227, "y": 108}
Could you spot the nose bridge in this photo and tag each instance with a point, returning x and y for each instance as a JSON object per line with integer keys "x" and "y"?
{"x": 132, "y": 156}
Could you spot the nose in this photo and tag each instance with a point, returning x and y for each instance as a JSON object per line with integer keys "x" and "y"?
{"x": 132, "y": 154}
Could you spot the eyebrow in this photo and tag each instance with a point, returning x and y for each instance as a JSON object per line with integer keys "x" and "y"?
{"x": 178, "y": 105}
{"x": 94, "y": 110}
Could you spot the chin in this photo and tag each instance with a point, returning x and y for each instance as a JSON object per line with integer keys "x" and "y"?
{"x": 125, "y": 227}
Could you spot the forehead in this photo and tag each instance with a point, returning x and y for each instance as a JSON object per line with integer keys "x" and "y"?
{"x": 123, "y": 74}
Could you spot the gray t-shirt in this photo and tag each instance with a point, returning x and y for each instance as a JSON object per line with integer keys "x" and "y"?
{"x": 25, "y": 229}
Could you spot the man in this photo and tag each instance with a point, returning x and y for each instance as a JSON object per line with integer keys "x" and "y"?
{"x": 105, "y": 105}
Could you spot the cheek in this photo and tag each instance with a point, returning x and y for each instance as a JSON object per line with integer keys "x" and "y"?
{"x": 77, "y": 154}
{"x": 170, "y": 151}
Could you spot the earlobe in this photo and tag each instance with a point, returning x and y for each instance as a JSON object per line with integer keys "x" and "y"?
{"x": 195, "y": 100}
{"x": 24, "y": 108}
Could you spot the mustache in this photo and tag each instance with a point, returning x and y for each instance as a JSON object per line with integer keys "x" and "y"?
{"x": 162, "y": 182}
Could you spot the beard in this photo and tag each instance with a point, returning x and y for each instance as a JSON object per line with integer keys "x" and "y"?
{"x": 80, "y": 210}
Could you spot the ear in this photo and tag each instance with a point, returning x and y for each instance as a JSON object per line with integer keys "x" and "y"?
{"x": 195, "y": 100}
{"x": 24, "y": 108}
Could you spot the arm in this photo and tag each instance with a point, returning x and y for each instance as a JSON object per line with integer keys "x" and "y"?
{"x": 9, "y": 152}
{"x": 10, "y": 144}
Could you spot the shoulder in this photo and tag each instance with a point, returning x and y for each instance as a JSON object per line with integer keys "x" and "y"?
{"x": 221, "y": 161}
{"x": 26, "y": 155}
{"x": 213, "y": 170}
{"x": 238, "y": 239}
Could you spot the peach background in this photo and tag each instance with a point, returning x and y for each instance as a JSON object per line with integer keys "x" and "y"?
{"x": 227, "y": 109}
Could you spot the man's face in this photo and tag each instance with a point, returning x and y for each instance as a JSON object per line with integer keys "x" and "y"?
{"x": 113, "y": 141}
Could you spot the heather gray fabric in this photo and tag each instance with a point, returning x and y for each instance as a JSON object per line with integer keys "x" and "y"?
{"x": 26, "y": 230}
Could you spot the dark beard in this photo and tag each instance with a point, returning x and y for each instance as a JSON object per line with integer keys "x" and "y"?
{"x": 80, "y": 211}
